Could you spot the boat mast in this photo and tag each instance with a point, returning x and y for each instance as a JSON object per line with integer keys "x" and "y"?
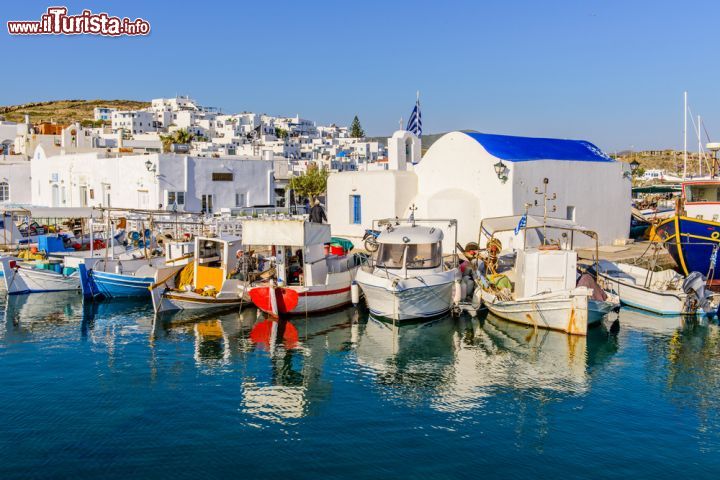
{"x": 685, "y": 136}
{"x": 699, "y": 148}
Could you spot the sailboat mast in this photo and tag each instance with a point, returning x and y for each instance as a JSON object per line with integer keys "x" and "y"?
{"x": 685, "y": 136}
{"x": 699, "y": 147}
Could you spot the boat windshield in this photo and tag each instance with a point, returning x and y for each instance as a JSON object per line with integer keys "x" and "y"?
{"x": 702, "y": 193}
{"x": 424, "y": 255}
{"x": 390, "y": 255}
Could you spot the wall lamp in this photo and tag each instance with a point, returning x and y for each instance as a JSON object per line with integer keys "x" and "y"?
{"x": 150, "y": 166}
{"x": 501, "y": 170}
{"x": 634, "y": 165}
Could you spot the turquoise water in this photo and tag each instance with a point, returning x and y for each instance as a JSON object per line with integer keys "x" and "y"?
{"x": 105, "y": 392}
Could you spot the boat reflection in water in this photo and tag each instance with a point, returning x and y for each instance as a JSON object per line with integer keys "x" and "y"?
{"x": 683, "y": 354}
{"x": 28, "y": 316}
{"x": 457, "y": 364}
{"x": 291, "y": 385}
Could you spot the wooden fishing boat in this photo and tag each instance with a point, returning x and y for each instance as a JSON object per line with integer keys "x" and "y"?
{"x": 541, "y": 288}
{"x": 308, "y": 278}
{"x": 203, "y": 284}
{"x": 692, "y": 236}
{"x": 129, "y": 277}
{"x": 38, "y": 276}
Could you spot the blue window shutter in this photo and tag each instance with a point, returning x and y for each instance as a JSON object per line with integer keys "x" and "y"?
{"x": 356, "y": 209}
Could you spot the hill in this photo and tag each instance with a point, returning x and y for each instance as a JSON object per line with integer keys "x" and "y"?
{"x": 64, "y": 111}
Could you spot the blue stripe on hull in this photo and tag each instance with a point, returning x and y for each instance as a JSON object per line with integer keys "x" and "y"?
{"x": 696, "y": 252}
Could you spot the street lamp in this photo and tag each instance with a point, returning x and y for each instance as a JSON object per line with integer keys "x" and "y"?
{"x": 634, "y": 166}
{"x": 501, "y": 171}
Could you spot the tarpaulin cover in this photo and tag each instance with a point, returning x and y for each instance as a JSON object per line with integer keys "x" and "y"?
{"x": 284, "y": 232}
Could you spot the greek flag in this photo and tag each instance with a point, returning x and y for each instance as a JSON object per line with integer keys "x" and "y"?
{"x": 415, "y": 122}
{"x": 521, "y": 224}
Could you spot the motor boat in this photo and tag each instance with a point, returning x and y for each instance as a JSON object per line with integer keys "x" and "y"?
{"x": 407, "y": 278}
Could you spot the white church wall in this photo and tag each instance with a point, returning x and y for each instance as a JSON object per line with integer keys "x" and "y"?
{"x": 383, "y": 194}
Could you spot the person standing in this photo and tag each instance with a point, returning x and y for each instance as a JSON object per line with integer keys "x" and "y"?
{"x": 317, "y": 213}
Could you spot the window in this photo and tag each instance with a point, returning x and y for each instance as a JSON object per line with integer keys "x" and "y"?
{"x": 390, "y": 255}
{"x": 240, "y": 200}
{"x": 206, "y": 205}
{"x": 570, "y": 213}
{"x": 423, "y": 255}
{"x": 355, "y": 210}
{"x": 222, "y": 177}
{"x": 176, "y": 197}
{"x": 4, "y": 191}
{"x": 702, "y": 193}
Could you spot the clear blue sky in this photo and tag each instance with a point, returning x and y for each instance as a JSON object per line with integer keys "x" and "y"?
{"x": 608, "y": 71}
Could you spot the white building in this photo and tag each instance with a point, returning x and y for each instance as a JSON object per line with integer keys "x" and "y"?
{"x": 103, "y": 113}
{"x": 14, "y": 180}
{"x": 133, "y": 121}
{"x": 457, "y": 179}
{"x": 153, "y": 181}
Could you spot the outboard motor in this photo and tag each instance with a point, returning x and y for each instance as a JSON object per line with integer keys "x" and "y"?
{"x": 694, "y": 287}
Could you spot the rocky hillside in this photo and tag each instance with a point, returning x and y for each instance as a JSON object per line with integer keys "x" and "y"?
{"x": 64, "y": 111}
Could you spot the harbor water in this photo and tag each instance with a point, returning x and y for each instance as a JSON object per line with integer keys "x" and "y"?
{"x": 107, "y": 391}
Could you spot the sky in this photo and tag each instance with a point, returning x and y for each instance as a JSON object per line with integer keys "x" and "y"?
{"x": 611, "y": 72}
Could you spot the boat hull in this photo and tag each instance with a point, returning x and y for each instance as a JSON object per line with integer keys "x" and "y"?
{"x": 410, "y": 298}
{"x": 19, "y": 280}
{"x": 691, "y": 242}
{"x": 563, "y": 311}
{"x": 112, "y": 285}
{"x": 637, "y": 296}
{"x": 171, "y": 301}
{"x": 310, "y": 300}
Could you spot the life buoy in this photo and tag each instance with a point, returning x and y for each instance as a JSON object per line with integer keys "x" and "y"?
{"x": 715, "y": 235}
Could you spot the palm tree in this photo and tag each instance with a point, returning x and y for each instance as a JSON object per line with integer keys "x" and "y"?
{"x": 181, "y": 136}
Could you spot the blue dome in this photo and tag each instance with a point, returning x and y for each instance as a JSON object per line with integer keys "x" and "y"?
{"x": 525, "y": 149}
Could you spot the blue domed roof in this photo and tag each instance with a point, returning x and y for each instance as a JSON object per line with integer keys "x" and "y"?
{"x": 525, "y": 149}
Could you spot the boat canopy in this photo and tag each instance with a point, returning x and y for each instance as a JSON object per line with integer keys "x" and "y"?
{"x": 494, "y": 225}
{"x": 284, "y": 232}
{"x": 657, "y": 189}
{"x": 58, "y": 212}
{"x": 411, "y": 234}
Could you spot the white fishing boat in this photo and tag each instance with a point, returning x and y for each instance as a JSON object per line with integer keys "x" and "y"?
{"x": 541, "y": 287}
{"x": 408, "y": 279}
{"x": 665, "y": 292}
{"x": 37, "y": 276}
{"x": 204, "y": 284}
{"x": 308, "y": 277}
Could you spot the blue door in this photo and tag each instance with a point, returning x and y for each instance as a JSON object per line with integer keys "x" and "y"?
{"x": 355, "y": 209}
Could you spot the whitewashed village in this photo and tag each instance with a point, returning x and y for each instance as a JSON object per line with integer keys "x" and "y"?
{"x": 195, "y": 209}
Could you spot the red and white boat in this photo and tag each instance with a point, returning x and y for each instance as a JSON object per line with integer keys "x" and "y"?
{"x": 308, "y": 277}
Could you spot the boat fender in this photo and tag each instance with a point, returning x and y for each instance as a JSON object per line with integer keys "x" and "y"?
{"x": 355, "y": 293}
{"x": 457, "y": 291}
{"x": 119, "y": 268}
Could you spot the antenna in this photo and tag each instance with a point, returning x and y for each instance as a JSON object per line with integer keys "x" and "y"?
{"x": 546, "y": 198}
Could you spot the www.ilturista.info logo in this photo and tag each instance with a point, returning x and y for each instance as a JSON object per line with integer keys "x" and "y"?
{"x": 57, "y": 22}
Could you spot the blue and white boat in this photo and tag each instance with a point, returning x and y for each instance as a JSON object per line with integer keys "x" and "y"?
{"x": 128, "y": 277}
{"x": 692, "y": 237}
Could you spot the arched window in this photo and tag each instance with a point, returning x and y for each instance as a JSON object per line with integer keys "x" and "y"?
{"x": 4, "y": 191}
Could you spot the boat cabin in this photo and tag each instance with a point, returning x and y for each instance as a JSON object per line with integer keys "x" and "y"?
{"x": 409, "y": 250}
{"x": 298, "y": 249}
{"x": 215, "y": 259}
{"x": 548, "y": 266}
{"x": 701, "y": 199}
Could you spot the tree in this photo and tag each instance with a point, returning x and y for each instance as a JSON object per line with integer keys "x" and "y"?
{"x": 356, "y": 130}
{"x": 178, "y": 136}
{"x": 281, "y": 132}
{"x": 311, "y": 183}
